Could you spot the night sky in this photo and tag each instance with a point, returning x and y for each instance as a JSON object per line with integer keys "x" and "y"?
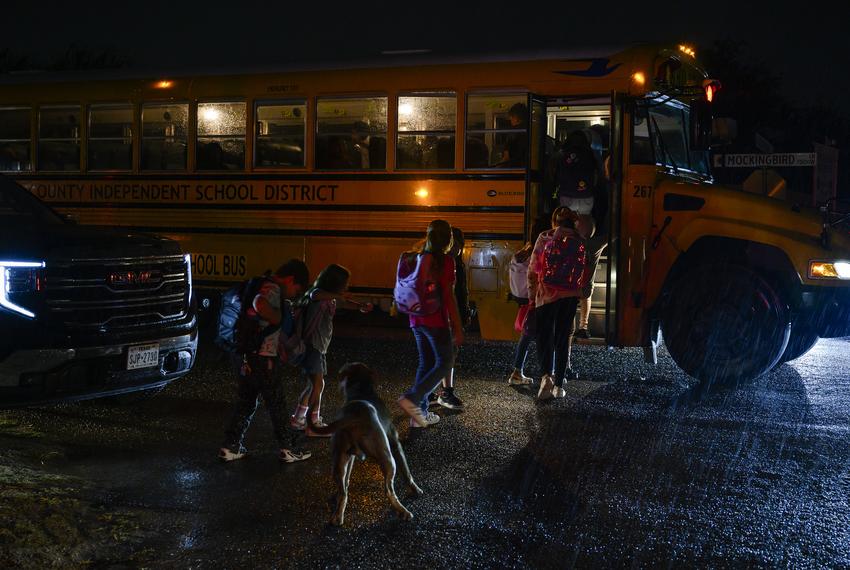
{"x": 803, "y": 42}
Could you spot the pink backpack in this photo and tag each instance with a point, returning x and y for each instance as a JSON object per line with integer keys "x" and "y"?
{"x": 416, "y": 291}
{"x": 564, "y": 260}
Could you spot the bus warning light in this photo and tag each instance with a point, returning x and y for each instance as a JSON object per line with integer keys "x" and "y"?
{"x": 639, "y": 78}
{"x": 422, "y": 193}
{"x": 164, "y": 84}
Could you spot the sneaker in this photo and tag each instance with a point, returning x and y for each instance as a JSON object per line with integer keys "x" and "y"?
{"x": 431, "y": 418}
{"x": 414, "y": 411}
{"x": 226, "y": 455}
{"x": 432, "y": 398}
{"x": 582, "y": 333}
{"x": 298, "y": 424}
{"x": 448, "y": 399}
{"x": 558, "y": 392}
{"x": 517, "y": 378}
{"x": 546, "y": 386}
{"x": 294, "y": 455}
{"x": 319, "y": 424}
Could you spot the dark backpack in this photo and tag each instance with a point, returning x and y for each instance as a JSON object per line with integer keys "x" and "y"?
{"x": 576, "y": 175}
{"x": 237, "y": 330}
{"x": 564, "y": 260}
{"x": 416, "y": 291}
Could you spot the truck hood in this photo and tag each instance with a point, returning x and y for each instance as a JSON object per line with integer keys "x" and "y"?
{"x": 69, "y": 241}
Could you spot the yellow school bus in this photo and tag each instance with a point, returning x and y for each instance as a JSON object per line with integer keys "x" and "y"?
{"x": 348, "y": 163}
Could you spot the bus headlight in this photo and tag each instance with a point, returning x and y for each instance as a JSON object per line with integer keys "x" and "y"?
{"x": 17, "y": 278}
{"x": 829, "y": 270}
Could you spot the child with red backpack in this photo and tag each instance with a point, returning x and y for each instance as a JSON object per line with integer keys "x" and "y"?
{"x": 425, "y": 291}
{"x": 556, "y": 275}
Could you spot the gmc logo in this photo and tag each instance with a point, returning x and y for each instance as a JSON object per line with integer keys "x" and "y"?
{"x": 128, "y": 278}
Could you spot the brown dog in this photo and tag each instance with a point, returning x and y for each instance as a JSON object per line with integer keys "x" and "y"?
{"x": 362, "y": 430}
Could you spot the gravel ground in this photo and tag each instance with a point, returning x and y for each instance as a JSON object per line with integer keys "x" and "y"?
{"x": 637, "y": 466}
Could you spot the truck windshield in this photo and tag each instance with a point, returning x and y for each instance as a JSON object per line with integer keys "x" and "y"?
{"x": 666, "y": 127}
{"x": 18, "y": 207}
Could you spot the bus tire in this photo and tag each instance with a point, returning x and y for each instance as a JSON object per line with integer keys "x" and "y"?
{"x": 724, "y": 323}
{"x": 802, "y": 340}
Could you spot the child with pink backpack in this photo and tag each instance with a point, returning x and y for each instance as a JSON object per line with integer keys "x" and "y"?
{"x": 556, "y": 275}
{"x": 425, "y": 291}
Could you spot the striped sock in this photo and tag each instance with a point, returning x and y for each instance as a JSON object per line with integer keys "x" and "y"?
{"x": 301, "y": 412}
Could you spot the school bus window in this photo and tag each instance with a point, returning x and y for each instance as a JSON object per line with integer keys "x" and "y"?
{"x": 59, "y": 138}
{"x": 221, "y": 136}
{"x": 164, "y": 128}
{"x": 641, "y": 149}
{"x": 496, "y": 131}
{"x": 15, "y": 139}
{"x": 110, "y": 137}
{"x": 351, "y": 134}
{"x": 426, "y": 131}
{"x": 667, "y": 127}
{"x": 280, "y": 134}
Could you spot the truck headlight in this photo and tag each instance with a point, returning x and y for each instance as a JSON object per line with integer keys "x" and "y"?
{"x": 829, "y": 269}
{"x": 187, "y": 259}
{"x": 19, "y": 277}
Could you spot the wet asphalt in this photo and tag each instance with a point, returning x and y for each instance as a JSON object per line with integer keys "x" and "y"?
{"x": 638, "y": 466}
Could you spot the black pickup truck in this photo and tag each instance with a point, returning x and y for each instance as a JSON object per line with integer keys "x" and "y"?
{"x": 87, "y": 312}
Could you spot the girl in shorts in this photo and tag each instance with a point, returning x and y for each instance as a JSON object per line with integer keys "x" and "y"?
{"x": 319, "y": 306}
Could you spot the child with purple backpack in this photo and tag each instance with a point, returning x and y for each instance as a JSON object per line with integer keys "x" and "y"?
{"x": 425, "y": 291}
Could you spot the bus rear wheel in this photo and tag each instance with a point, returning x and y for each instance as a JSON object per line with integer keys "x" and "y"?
{"x": 724, "y": 323}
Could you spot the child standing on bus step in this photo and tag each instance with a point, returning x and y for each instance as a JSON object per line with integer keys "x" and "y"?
{"x": 257, "y": 372}
{"x": 433, "y": 333}
{"x": 319, "y": 305}
{"x": 447, "y": 397}
{"x": 556, "y": 275}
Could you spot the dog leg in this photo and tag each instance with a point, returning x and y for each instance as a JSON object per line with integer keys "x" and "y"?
{"x": 341, "y": 480}
{"x": 349, "y": 467}
{"x": 401, "y": 461}
{"x": 388, "y": 467}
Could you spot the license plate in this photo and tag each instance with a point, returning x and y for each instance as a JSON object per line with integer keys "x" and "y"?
{"x": 143, "y": 356}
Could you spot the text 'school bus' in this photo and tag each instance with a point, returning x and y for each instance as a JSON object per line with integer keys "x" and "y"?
{"x": 348, "y": 163}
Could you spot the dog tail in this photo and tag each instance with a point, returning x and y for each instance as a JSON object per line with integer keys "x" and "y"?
{"x": 327, "y": 430}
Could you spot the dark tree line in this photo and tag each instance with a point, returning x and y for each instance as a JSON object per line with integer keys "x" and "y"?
{"x": 75, "y": 57}
{"x": 752, "y": 95}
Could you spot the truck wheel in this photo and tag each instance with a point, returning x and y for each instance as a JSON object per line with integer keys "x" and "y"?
{"x": 802, "y": 340}
{"x": 724, "y": 322}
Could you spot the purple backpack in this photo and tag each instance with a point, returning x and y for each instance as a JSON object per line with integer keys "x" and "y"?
{"x": 416, "y": 291}
{"x": 564, "y": 260}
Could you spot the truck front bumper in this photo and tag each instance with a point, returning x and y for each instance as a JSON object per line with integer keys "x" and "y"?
{"x": 45, "y": 375}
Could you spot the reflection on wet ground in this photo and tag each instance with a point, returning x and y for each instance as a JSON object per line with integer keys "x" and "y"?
{"x": 636, "y": 466}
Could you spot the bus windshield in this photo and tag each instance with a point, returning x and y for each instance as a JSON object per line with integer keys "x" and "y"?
{"x": 666, "y": 127}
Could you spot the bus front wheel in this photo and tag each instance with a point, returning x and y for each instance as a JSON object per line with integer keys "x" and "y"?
{"x": 724, "y": 323}
{"x": 802, "y": 340}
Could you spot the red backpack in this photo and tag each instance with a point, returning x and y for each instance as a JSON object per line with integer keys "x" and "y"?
{"x": 416, "y": 290}
{"x": 564, "y": 260}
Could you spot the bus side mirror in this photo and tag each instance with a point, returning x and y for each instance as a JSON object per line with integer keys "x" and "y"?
{"x": 700, "y": 127}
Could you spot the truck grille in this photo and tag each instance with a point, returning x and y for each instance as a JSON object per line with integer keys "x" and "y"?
{"x": 111, "y": 294}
